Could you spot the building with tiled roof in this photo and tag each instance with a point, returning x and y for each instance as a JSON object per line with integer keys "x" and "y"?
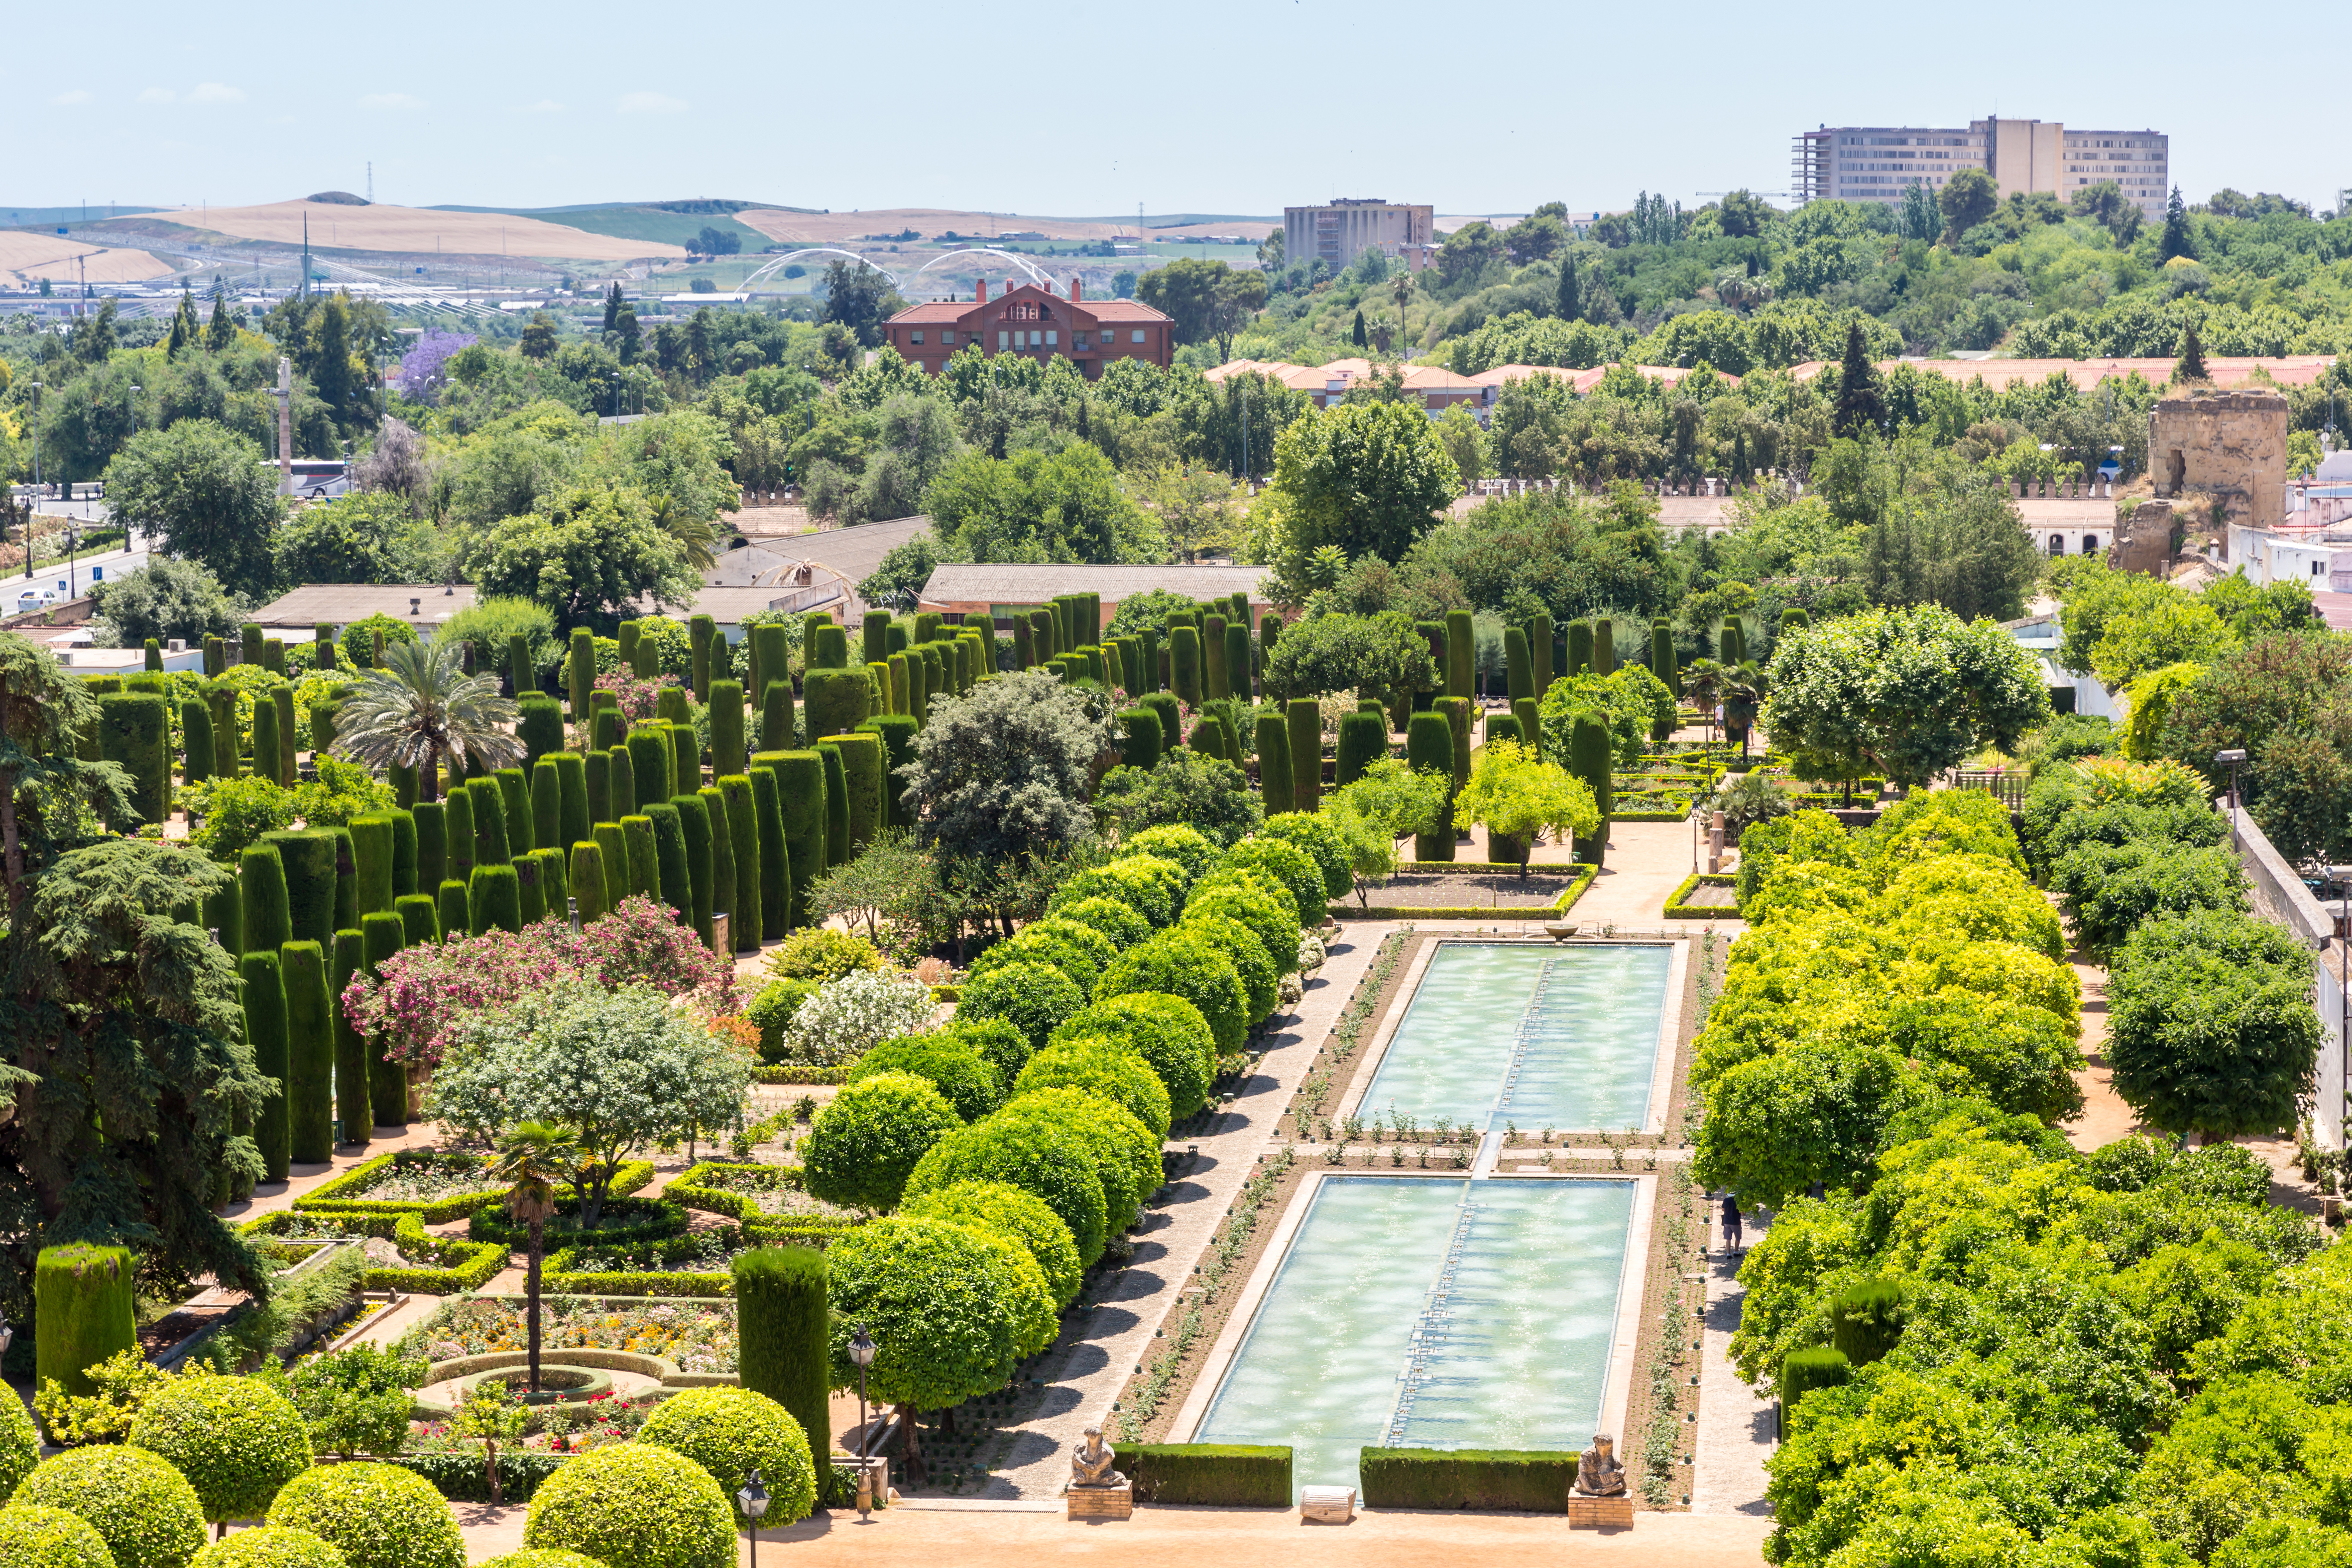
{"x": 1029, "y": 320}
{"x": 1999, "y": 374}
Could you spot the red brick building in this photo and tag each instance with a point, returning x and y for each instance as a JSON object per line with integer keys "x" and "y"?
{"x": 1028, "y": 320}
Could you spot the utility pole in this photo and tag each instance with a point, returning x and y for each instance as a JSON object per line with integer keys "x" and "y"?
{"x": 285, "y": 425}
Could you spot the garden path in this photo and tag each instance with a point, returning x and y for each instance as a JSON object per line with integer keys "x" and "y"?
{"x": 1735, "y": 1421}
{"x": 1084, "y": 1372}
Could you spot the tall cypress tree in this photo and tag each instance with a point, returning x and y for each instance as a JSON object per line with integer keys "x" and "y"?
{"x": 1363, "y": 338}
{"x": 1859, "y": 406}
{"x": 1567, "y": 305}
{"x": 2176, "y": 239}
{"x": 2191, "y": 367}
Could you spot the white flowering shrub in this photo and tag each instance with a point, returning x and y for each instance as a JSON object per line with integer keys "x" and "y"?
{"x": 848, "y": 1015}
{"x": 1310, "y": 955}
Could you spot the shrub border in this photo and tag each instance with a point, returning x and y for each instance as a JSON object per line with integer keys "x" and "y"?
{"x": 1560, "y": 906}
{"x": 1677, "y": 910}
{"x": 475, "y": 1263}
{"x": 326, "y": 1197}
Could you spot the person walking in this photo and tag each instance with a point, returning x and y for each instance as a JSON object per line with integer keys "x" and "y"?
{"x": 1731, "y": 1223}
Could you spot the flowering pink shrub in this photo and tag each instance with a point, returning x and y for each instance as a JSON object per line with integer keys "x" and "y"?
{"x": 636, "y": 694}
{"x": 408, "y": 1010}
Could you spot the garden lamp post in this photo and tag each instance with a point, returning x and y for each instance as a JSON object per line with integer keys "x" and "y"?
{"x": 861, "y": 1350}
{"x": 753, "y": 1499}
{"x": 2233, "y": 758}
{"x": 7, "y": 1336}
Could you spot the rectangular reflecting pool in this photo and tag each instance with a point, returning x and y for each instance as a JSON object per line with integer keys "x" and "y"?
{"x": 1423, "y": 1312}
{"x": 1562, "y": 1037}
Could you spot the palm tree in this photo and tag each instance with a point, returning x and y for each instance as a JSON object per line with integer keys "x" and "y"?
{"x": 695, "y": 537}
{"x": 534, "y": 1159}
{"x": 1743, "y": 695}
{"x": 1401, "y": 286}
{"x": 423, "y": 706}
{"x": 1703, "y": 681}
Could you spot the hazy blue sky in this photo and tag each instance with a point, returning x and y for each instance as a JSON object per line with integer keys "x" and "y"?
{"x": 1214, "y": 106}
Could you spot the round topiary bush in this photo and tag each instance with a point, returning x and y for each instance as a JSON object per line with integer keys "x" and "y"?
{"x": 861, "y": 1146}
{"x": 20, "y": 1444}
{"x": 542, "y": 1557}
{"x": 1102, "y": 1065}
{"x": 1097, "y": 948}
{"x": 1318, "y": 837}
{"x": 1147, "y": 884}
{"x": 949, "y": 1063}
{"x": 1262, "y": 906}
{"x": 1023, "y": 1216}
{"x": 1166, "y": 1032}
{"x": 1120, "y": 923}
{"x": 1188, "y": 964}
{"x": 1000, "y": 1043}
{"x": 732, "y": 1432}
{"x": 1172, "y": 841}
{"x": 1030, "y": 996}
{"x": 636, "y": 1503}
{"x": 952, "y": 1308}
{"x": 271, "y": 1546}
{"x": 143, "y": 1509}
{"x": 1042, "y": 947}
{"x": 237, "y": 1440}
{"x": 1288, "y": 865}
{"x": 377, "y": 1516}
{"x": 49, "y": 1538}
{"x": 1260, "y": 983}
{"x": 1126, "y": 1154}
{"x": 1057, "y": 1168}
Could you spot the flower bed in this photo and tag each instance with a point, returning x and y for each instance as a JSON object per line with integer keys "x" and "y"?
{"x": 794, "y": 1072}
{"x": 750, "y": 1192}
{"x": 451, "y": 1266}
{"x": 1559, "y": 906}
{"x": 622, "y": 1221}
{"x": 1680, "y": 908}
{"x": 436, "y": 1187}
{"x": 696, "y": 1335}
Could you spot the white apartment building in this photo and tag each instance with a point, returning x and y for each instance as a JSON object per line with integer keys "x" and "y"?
{"x": 1341, "y": 230}
{"x": 1874, "y": 162}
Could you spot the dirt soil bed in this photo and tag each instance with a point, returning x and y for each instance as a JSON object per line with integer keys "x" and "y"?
{"x": 1500, "y": 890}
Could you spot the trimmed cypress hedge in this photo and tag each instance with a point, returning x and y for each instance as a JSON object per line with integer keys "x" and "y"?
{"x": 685, "y": 759}
{"x": 196, "y": 742}
{"x": 1502, "y": 727}
{"x": 493, "y": 834}
{"x": 722, "y": 857}
{"x": 612, "y": 845}
{"x": 530, "y": 891}
{"x": 346, "y": 880}
{"x": 1460, "y": 654}
{"x": 1589, "y": 758}
{"x": 420, "y": 917}
{"x": 432, "y": 844}
{"x": 801, "y": 794}
{"x": 1604, "y": 645}
{"x": 901, "y": 694}
{"x": 1525, "y": 712}
{"x": 1429, "y": 746}
{"x": 726, "y": 703}
{"x": 1237, "y": 659}
{"x": 651, "y": 763}
{"x": 554, "y": 879}
{"x": 372, "y": 856}
{"x": 1519, "y": 671}
{"x": 1184, "y": 665}
{"x": 282, "y": 698}
{"x": 216, "y": 657}
{"x": 514, "y": 794}
{"x": 263, "y": 988}
{"x": 546, "y": 805}
{"x": 605, "y": 728}
{"x": 572, "y": 818}
{"x": 1580, "y": 648}
{"x": 309, "y": 1053}
{"x": 776, "y": 716}
{"x": 351, "y": 1051}
{"x": 873, "y": 635}
{"x": 1218, "y": 1475}
{"x": 1868, "y": 1320}
{"x": 898, "y": 732}
{"x": 700, "y": 632}
{"x": 403, "y": 851}
{"x": 596, "y": 771}
{"x": 308, "y": 857}
{"x": 1140, "y": 738}
{"x": 134, "y": 728}
{"x": 825, "y": 645}
{"x": 518, "y": 671}
{"x": 836, "y": 700}
{"x": 224, "y": 911}
{"x": 581, "y": 667}
{"x": 1457, "y": 718}
{"x": 644, "y": 855}
{"x": 493, "y": 899}
{"x": 1303, "y": 728}
{"x": 1274, "y": 776}
{"x": 863, "y": 774}
{"x": 694, "y": 846}
{"x": 587, "y": 883}
{"x": 673, "y": 876}
{"x": 1363, "y": 740}
{"x": 457, "y": 858}
{"x": 227, "y": 752}
{"x": 83, "y": 1313}
{"x": 745, "y": 923}
{"x": 1803, "y": 1371}
{"x": 539, "y": 722}
{"x": 1172, "y": 718}
{"x": 775, "y": 864}
{"x": 1216, "y": 676}
{"x": 261, "y": 884}
{"x": 1521, "y": 1481}
{"x": 381, "y": 936}
{"x": 837, "y": 804}
{"x": 456, "y": 910}
{"x": 621, "y": 780}
{"x": 783, "y": 1329}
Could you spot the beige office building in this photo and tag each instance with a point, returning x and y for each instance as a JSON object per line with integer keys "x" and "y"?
{"x": 1342, "y": 230}
{"x": 1874, "y": 162}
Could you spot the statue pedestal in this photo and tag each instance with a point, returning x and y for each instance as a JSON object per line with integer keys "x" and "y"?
{"x": 1600, "y": 1512}
{"x": 1327, "y": 1505}
{"x": 1102, "y": 1502}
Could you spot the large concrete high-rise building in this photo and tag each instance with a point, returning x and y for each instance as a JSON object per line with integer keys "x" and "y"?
{"x": 1344, "y": 229}
{"x": 1874, "y": 162}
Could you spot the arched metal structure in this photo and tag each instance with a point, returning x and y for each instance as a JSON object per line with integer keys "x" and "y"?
{"x": 1037, "y": 274}
{"x": 791, "y": 257}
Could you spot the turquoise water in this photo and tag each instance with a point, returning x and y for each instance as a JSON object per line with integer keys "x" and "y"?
{"x": 1431, "y": 1313}
{"x": 1564, "y": 1037}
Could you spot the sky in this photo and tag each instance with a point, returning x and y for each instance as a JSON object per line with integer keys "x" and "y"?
{"x": 1216, "y": 107}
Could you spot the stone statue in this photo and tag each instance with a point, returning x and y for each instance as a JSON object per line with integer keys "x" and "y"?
{"x": 1090, "y": 1463}
{"x": 1598, "y": 1473}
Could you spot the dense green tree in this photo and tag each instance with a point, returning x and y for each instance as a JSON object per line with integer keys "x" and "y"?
{"x": 591, "y": 553}
{"x": 1367, "y": 478}
{"x": 166, "y": 598}
{"x": 1033, "y": 507}
{"x": 1005, "y": 772}
{"x": 205, "y": 493}
{"x": 1968, "y": 199}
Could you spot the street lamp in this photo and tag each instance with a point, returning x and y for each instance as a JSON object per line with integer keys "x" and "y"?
{"x": 73, "y": 539}
{"x": 34, "y": 506}
{"x": 861, "y": 1350}
{"x": 2233, "y": 758}
{"x": 753, "y": 1499}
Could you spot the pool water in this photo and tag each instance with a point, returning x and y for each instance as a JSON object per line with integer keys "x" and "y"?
{"x": 1425, "y": 1313}
{"x": 1565, "y": 1037}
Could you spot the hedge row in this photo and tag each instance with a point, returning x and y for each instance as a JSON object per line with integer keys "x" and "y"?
{"x": 1519, "y": 1481}
{"x": 458, "y": 1266}
{"x": 1220, "y": 1475}
{"x": 1677, "y": 910}
{"x": 341, "y": 1196}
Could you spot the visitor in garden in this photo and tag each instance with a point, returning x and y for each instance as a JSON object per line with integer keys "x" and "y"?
{"x": 1731, "y": 1223}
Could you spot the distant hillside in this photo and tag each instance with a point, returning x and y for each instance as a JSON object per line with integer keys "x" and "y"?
{"x": 642, "y": 220}
{"x": 95, "y": 212}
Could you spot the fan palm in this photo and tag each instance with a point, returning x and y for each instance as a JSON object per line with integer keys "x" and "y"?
{"x": 533, "y": 1160}
{"x": 421, "y": 706}
{"x": 1743, "y": 696}
{"x": 695, "y": 537}
{"x": 1703, "y": 681}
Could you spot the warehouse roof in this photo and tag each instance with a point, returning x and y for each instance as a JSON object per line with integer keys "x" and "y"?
{"x": 1017, "y": 583}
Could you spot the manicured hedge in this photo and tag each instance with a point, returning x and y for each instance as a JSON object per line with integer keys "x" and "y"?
{"x": 452, "y": 1266}
{"x": 1218, "y": 1475}
{"x": 1518, "y": 1481}
{"x": 1677, "y": 910}
{"x": 460, "y": 1476}
{"x": 1186, "y": 964}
